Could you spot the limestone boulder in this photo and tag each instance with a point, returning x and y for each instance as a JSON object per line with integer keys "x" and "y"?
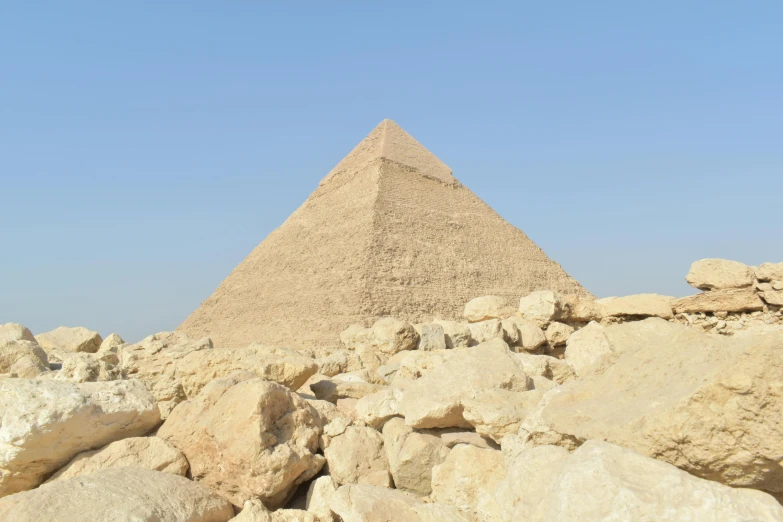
{"x": 435, "y": 399}
{"x": 22, "y": 358}
{"x": 85, "y": 367}
{"x": 588, "y": 350}
{"x": 256, "y": 511}
{"x": 431, "y": 336}
{"x": 578, "y": 309}
{"x": 112, "y": 341}
{"x": 457, "y": 334}
{"x": 377, "y": 408}
{"x": 412, "y": 455}
{"x": 15, "y": 332}
{"x": 135, "y": 452}
{"x": 496, "y": 413}
{"x": 639, "y": 305}
{"x": 557, "y": 334}
{"x": 387, "y": 336}
{"x": 109, "y": 350}
{"x": 729, "y": 300}
{"x": 46, "y": 423}
{"x": 176, "y": 367}
{"x": 78, "y": 339}
{"x": 769, "y": 272}
{"x": 357, "y": 456}
{"x": 530, "y": 336}
{"x": 487, "y": 307}
{"x": 718, "y": 274}
{"x": 341, "y": 361}
{"x": 247, "y": 438}
{"x": 602, "y": 481}
{"x": 540, "y": 307}
{"x": 467, "y": 480}
{"x": 318, "y": 495}
{"x": 773, "y": 297}
{"x": 708, "y": 404}
{"x": 485, "y": 331}
{"x": 115, "y": 494}
{"x": 364, "y": 503}
{"x": 551, "y": 368}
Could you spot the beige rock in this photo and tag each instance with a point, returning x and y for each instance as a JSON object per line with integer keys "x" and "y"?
{"x": 485, "y": 331}
{"x": 342, "y": 361}
{"x": 361, "y": 503}
{"x": 247, "y": 438}
{"x": 496, "y": 413}
{"x": 85, "y": 367}
{"x": 46, "y": 423}
{"x": 548, "y": 483}
{"x": 717, "y": 274}
{"x": 467, "y": 479}
{"x": 112, "y": 341}
{"x": 255, "y": 511}
{"x": 457, "y": 334}
{"x": 376, "y": 408}
{"x": 557, "y": 334}
{"x": 78, "y": 339}
{"x": 540, "y": 307}
{"x": 431, "y": 336}
{"x": 487, "y": 307}
{"x": 176, "y": 367}
{"x": 435, "y": 399}
{"x": 318, "y": 495}
{"x": 704, "y": 403}
{"x": 639, "y": 305}
{"x": 111, "y": 495}
{"x": 578, "y": 309}
{"x": 15, "y": 332}
{"x": 22, "y": 358}
{"x": 551, "y": 368}
{"x": 511, "y": 333}
{"x": 453, "y": 436}
{"x": 773, "y": 297}
{"x": 357, "y": 456}
{"x": 531, "y": 336}
{"x": 135, "y": 452}
{"x": 348, "y": 387}
{"x": 588, "y": 350}
{"x": 390, "y": 335}
{"x": 769, "y": 272}
{"x": 412, "y": 456}
{"x": 730, "y": 300}
{"x": 110, "y": 348}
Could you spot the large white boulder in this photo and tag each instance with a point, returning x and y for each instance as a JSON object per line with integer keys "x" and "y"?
{"x": 388, "y": 336}
{"x": 588, "y": 350}
{"x": 15, "y": 332}
{"x": 717, "y": 274}
{"x": 457, "y": 334}
{"x": 487, "y": 307}
{"x": 118, "y": 494}
{"x": 412, "y": 455}
{"x": 708, "y": 404}
{"x": 86, "y": 367}
{"x": 365, "y": 503}
{"x": 45, "y": 423}
{"x": 356, "y": 456}
{"x": 22, "y": 358}
{"x": 247, "y": 438}
{"x": 77, "y": 339}
{"x": 602, "y": 481}
{"x": 434, "y": 400}
{"x": 540, "y": 307}
{"x": 769, "y": 272}
{"x": 135, "y": 452}
{"x": 728, "y": 300}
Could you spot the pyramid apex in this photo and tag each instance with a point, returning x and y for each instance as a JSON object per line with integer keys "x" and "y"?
{"x": 388, "y": 140}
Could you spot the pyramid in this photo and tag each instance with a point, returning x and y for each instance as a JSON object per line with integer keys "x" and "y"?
{"x": 389, "y": 231}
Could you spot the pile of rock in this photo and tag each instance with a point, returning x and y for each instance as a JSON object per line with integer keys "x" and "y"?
{"x": 554, "y": 408}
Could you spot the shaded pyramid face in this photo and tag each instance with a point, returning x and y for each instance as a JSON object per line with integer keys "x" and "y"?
{"x": 389, "y": 231}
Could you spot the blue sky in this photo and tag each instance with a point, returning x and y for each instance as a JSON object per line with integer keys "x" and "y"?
{"x": 147, "y": 147}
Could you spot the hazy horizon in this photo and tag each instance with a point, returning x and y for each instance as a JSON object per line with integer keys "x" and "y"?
{"x": 146, "y": 149}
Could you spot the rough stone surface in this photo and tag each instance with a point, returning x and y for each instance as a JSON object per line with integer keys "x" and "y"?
{"x": 457, "y": 334}
{"x": 710, "y": 405}
{"x": 176, "y": 367}
{"x": 431, "y": 337}
{"x": 557, "y": 334}
{"x": 531, "y": 336}
{"x": 318, "y": 495}
{"x": 347, "y": 387}
{"x": 487, "y": 307}
{"x": 256, "y": 511}
{"x": 135, "y": 452}
{"x": 15, "y": 332}
{"x": 641, "y": 305}
{"x": 347, "y": 255}
{"x": 85, "y": 367}
{"x": 375, "y": 409}
{"x": 78, "y": 339}
{"x": 730, "y": 300}
{"x": 435, "y": 399}
{"x": 601, "y": 481}
{"x": 578, "y": 309}
{"x": 114, "y": 495}
{"x": 540, "y": 307}
{"x": 22, "y": 358}
{"x": 496, "y": 413}
{"x": 357, "y": 456}
{"x": 362, "y": 503}
{"x": 247, "y": 438}
{"x": 588, "y": 350}
{"x": 467, "y": 480}
{"x": 412, "y": 456}
{"x": 717, "y": 274}
{"x": 769, "y": 272}
{"x": 45, "y": 423}
{"x": 773, "y": 297}
{"x": 485, "y": 331}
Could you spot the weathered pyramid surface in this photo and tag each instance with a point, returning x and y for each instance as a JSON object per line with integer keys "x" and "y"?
{"x": 389, "y": 231}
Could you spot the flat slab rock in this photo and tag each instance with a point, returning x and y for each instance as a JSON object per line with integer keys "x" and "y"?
{"x": 117, "y": 495}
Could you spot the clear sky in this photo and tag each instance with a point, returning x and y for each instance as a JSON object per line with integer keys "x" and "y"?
{"x": 147, "y": 147}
